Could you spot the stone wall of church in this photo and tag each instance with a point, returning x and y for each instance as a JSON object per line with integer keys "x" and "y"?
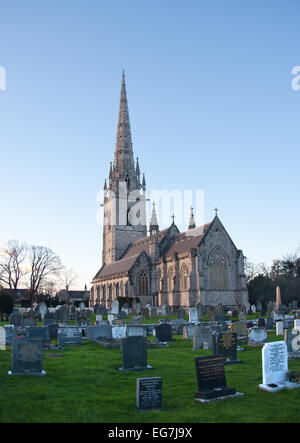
{"x": 221, "y": 273}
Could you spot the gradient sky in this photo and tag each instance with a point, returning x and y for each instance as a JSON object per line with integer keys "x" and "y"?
{"x": 211, "y": 108}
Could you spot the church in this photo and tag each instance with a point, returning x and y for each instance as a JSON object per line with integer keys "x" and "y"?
{"x": 153, "y": 266}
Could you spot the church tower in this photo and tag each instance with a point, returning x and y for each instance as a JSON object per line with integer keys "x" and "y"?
{"x": 125, "y": 195}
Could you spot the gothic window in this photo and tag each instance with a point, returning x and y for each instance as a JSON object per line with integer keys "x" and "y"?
{"x": 184, "y": 277}
{"x": 110, "y": 293}
{"x": 98, "y": 293}
{"x": 171, "y": 274}
{"x": 218, "y": 270}
{"x": 117, "y": 290}
{"x": 103, "y": 294}
{"x": 143, "y": 283}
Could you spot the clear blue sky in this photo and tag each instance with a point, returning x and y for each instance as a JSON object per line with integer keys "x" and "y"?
{"x": 211, "y": 107}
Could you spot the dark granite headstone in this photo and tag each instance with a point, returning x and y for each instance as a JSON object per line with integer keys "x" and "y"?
{"x": 211, "y": 378}
{"x": 27, "y": 357}
{"x": 149, "y": 393}
{"x": 134, "y": 353}
{"x": 100, "y": 332}
{"x": 225, "y": 344}
{"x": 163, "y": 332}
{"x": 292, "y": 341}
{"x": 41, "y": 332}
{"x": 261, "y": 322}
{"x": 53, "y": 328}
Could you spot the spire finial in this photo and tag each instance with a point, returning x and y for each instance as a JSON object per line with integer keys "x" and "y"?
{"x": 216, "y": 209}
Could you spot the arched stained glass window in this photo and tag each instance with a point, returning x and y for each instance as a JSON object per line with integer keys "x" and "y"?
{"x": 143, "y": 283}
{"x": 218, "y": 270}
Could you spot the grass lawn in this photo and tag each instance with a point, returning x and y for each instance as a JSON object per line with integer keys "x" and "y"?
{"x": 84, "y": 385}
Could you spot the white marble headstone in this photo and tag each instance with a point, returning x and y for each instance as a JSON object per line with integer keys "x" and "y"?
{"x": 275, "y": 367}
{"x": 193, "y": 315}
{"x": 279, "y": 328}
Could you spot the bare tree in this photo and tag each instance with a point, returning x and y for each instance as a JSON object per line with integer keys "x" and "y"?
{"x": 70, "y": 278}
{"x": 44, "y": 264}
{"x": 12, "y": 263}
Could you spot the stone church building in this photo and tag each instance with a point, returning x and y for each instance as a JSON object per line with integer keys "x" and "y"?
{"x": 201, "y": 265}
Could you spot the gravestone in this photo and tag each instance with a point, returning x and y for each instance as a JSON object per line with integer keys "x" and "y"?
{"x": 69, "y": 336}
{"x": 292, "y": 341}
{"x": 225, "y": 344}
{"x": 10, "y": 334}
{"x": 82, "y": 306}
{"x": 122, "y": 315}
{"x": 202, "y": 337}
{"x": 2, "y": 339}
{"x": 188, "y": 331}
{"x": 193, "y": 315}
{"x": 261, "y": 322}
{"x": 275, "y": 367}
{"x": 297, "y": 323}
{"x": 135, "y": 330}
{"x": 257, "y": 336}
{"x": 134, "y": 353}
{"x": 53, "y": 328}
{"x": 41, "y": 333}
{"x": 118, "y": 332}
{"x": 28, "y": 321}
{"x": 101, "y": 310}
{"x": 15, "y": 318}
{"x": 269, "y": 324}
{"x": 42, "y": 308}
{"x": 149, "y": 393}
{"x": 163, "y": 310}
{"x": 163, "y": 332}
{"x": 64, "y": 314}
{"x": 279, "y": 328}
{"x": 115, "y": 307}
{"x": 181, "y": 313}
{"x": 239, "y": 328}
{"x": 99, "y": 332}
{"x": 211, "y": 379}
{"x": 27, "y": 357}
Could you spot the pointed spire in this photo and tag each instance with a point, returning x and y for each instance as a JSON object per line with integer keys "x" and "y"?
{"x": 153, "y": 221}
{"x": 192, "y": 223}
{"x": 105, "y": 185}
{"x": 137, "y": 169}
{"x": 144, "y": 183}
{"x": 123, "y": 147}
{"x": 154, "y": 229}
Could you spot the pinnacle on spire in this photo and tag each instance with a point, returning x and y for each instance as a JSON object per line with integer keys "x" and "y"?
{"x": 154, "y": 229}
{"x": 144, "y": 183}
{"x": 192, "y": 223}
{"x": 153, "y": 221}
{"x": 137, "y": 169}
{"x": 105, "y": 185}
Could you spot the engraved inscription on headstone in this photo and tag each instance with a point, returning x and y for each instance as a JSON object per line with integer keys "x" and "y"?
{"x": 27, "y": 357}
{"x": 149, "y": 393}
{"x": 211, "y": 378}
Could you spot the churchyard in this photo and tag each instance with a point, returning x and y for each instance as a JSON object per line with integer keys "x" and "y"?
{"x": 95, "y": 379}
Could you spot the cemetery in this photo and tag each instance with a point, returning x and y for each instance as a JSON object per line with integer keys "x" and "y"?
{"x": 153, "y": 371}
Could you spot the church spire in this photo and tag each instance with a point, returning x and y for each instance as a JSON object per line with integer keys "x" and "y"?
{"x": 123, "y": 148}
{"x": 192, "y": 223}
